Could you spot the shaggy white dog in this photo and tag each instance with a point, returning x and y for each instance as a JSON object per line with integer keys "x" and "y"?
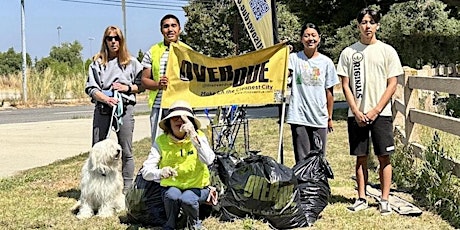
{"x": 101, "y": 181}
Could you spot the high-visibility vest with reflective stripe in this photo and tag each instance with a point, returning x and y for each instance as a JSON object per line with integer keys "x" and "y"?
{"x": 182, "y": 156}
{"x": 156, "y": 51}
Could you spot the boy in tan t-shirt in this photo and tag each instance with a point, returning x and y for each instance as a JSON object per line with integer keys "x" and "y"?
{"x": 368, "y": 70}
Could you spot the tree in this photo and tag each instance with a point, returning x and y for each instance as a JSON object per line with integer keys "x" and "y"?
{"x": 216, "y": 28}
{"x": 334, "y": 14}
{"x": 209, "y": 28}
{"x": 67, "y": 55}
{"x": 452, "y": 2}
{"x": 11, "y": 62}
{"x": 343, "y": 37}
{"x": 288, "y": 25}
{"x": 44, "y": 63}
{"x": 330, "y": 16}
{"x": 422, "y": 32}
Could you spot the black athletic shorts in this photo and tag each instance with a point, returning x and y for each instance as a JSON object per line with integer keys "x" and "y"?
{"x": 381, "y": 132}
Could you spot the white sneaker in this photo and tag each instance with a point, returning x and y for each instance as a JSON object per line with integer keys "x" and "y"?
{"x": 360, "y": 204}
{"x": 385, "y": 208}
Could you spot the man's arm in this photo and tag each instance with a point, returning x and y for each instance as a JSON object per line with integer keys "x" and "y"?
{"x": 148, "y": 83}
{"x": 146, "y": 80}
{"x": 389, "y": 91}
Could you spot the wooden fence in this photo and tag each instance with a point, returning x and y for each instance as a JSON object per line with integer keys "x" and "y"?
{"x": 413, "y": 106}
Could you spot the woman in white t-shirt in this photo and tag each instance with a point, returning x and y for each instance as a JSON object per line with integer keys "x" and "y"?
{"x": 311, "y": 101}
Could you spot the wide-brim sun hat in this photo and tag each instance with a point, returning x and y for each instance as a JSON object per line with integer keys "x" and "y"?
{"x": 179, "y": 108}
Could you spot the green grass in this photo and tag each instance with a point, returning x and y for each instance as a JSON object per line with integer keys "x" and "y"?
{"x": 42, "y": 198}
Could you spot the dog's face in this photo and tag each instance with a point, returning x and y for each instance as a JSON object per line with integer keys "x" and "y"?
{"x": 105, "y": 156}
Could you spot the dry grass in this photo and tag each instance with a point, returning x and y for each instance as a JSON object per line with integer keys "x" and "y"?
{"x": 44, "y": 87}
{"x": 11, "y": 81}
{"x": 41, "y": 198}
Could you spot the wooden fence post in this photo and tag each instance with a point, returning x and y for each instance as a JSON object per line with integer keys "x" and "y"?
{"x": 453, "y": 72}
{"x": 411, "y": 102}
{"x": 399, "y": 116}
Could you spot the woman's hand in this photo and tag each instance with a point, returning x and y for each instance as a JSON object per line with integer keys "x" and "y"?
{"x": 120, "y": 87}
{"x": 330, "y": 126}
{"x": 111, "y": 101}
{"x": 167, "y": 172}
{"x": 188, "y": 126}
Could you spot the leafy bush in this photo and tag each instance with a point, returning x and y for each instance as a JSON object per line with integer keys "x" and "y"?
{"x": 430, "y": 179}
{"x": 453, "y": 106}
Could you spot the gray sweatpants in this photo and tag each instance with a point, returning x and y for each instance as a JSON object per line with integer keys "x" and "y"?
{"x": 101, "y": 126}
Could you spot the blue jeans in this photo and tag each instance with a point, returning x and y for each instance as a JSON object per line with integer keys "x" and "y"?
{"x": 189, "y": 200}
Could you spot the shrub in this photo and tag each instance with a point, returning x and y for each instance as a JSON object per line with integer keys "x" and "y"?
{"x": 430, "y": 179}
{"x": 453, "y": 106}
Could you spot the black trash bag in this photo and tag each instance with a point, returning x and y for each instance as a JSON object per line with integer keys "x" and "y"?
{"x": 221, "y": 171}
{"x": 145, "y": 203}
{"x": 207, "y": 210}
{"x": 312, "y": 175}
{"x": 261, "y": 188}
{"x": 226, "y": 165}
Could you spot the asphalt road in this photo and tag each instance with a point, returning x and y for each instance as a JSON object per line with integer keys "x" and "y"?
{"x": 11, "y": 115}
{"x": 53, "y": 113}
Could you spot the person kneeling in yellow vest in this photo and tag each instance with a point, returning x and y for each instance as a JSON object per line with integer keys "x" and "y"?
{"x": 179, "y": 160}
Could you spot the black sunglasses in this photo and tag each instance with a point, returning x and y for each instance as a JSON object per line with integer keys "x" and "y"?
{"x": 110, "y": 38}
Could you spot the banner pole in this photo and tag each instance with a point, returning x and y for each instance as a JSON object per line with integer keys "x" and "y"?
{"x": 158, "y": 121}
{"x": 283, "y": 106}
{"x": 280, "y": 143}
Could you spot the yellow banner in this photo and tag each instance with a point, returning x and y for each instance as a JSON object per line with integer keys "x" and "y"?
{"x": 251, "y": 79}
{"x": 257, "y": 17}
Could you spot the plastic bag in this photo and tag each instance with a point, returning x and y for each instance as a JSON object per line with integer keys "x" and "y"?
{"x": 312, "y": 174}
{"x": 145, "y": 203}
{"x": 261, "y": 188}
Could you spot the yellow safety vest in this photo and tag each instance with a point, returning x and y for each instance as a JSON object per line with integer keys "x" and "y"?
{"x": 156, "y": 51}
{"x": 182, "y": 156}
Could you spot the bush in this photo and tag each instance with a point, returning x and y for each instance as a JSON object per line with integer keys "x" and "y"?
{"x": 453, "y": 106}
{"x": 431, "y": 181}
